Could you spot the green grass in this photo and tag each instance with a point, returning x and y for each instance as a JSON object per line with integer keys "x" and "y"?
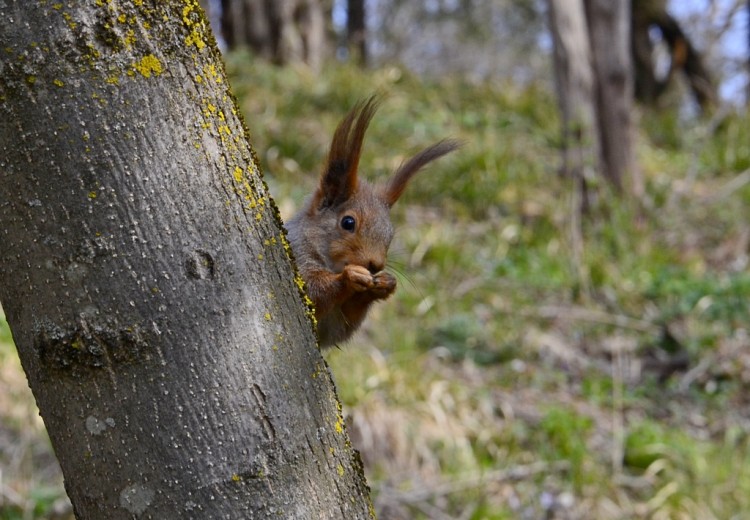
{"x": 513, "y": 375}
{"x": 30, "y": 479}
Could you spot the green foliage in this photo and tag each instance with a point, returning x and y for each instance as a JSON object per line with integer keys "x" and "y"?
{"x": 30, "y": 483}
{"x": 498, "y": 348}
{"x": 729, "y": 149}
{"x": 648, "y": 442}
{"x": 564, "y": 437}
{"x": 41, "y": 504}
{"x": 714, "y": 297}
{"x": 5, "y": 336}
{"x": 679, "y": 461}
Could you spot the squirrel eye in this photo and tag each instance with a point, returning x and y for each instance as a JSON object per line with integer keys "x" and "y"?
{"x": 348, "y": 223}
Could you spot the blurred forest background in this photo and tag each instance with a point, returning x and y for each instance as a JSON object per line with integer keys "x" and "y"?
{"x": 571, "y": 335}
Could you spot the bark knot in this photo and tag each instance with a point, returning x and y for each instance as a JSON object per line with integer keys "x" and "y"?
{"x": 199, "y": 265}
{"x": 85, "y": 344}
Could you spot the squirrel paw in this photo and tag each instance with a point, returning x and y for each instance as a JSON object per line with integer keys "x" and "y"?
{"x": 384, "y": 284}
{"x": 357, "y": 277}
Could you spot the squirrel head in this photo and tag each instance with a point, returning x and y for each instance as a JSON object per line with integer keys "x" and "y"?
{"x": 353, "y": 212}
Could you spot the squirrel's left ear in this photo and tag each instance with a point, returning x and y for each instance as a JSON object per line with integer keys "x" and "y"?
{"x": 339, "y": 180}
{"x": 397, "y": 183}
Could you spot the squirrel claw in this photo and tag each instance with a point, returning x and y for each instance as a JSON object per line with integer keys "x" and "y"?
{"x": 358, "y": 277}
{"x": 383, "y": 284}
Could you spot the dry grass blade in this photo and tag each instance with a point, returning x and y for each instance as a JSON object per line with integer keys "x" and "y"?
{"x": 621, "y": 321}
{"x": 515, "y": 473}
{"x": 729, "y": 188}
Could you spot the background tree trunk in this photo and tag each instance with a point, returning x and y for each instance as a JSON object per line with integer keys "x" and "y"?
{"x": 250, "y": 23}
{"x": 575, "y": 86}
{"x": 609, "y": 35}
{"x": 594, "y": 85}
{"x": 648, "y": 87}
{"x": 574, "y": 80}
{"x": 647, "y": 14}
{"x": 207, "y": 7}
{"x": 282, "y": 31}
{"x": 145, "y": 277}
{"x": 356, "y": 31}
{"x": 307, "y": 33}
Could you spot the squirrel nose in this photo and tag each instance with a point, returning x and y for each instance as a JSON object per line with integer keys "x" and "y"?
{"x": 375, "y": 267}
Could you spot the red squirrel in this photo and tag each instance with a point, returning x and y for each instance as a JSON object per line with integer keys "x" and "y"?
{"x": 340, "y": 237}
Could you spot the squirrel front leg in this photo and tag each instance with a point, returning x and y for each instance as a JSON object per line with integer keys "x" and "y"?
{"x": 328, "y": 289}
{"x": 369, "y": 287}
{"x": 354, "y": 310}
{"x": 383, "y": 285}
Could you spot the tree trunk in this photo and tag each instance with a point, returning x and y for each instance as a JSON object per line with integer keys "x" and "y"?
{"x": 307, "y": 33}
{"x": 575, "y": 86}
{"x": 356, "y": 31}
{"x": 574, "y": 80}
{"x": 281, "y": 31}
{"x": 250, "y": 23}
{"x": 595, "y": 91}
{"x": 227, "y": 22}
{"x": 609, "y": 35}
{"x": 683, "y": 55}
{"x": 648, "y": 86}
{"x": 146, "y": 279}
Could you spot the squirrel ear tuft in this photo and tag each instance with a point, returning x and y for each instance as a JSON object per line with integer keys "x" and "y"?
{"x": 339, "y": 180}
{"x": 397, "y": 183}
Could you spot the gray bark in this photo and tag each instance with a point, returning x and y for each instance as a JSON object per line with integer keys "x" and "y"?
{"x": 575, "y": 86}
{"x": 609, "y": 34}
{"x": 595, "y": 90}
{"x": 145, "y": 276}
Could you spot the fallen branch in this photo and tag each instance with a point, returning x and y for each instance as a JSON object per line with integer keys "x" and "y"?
{"x": 550, "y": 312}
{"x": 729, "y": 188}
{"x": 447, "y": 488}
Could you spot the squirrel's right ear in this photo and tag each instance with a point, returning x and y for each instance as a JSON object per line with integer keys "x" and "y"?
{"x": 397, "y": 183}
{"x": 339, "y": 180}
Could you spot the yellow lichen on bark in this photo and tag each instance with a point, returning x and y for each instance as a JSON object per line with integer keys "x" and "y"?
{"x": 148, "y": 65}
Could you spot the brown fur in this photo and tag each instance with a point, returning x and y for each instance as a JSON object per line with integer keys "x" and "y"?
{"x": 343, "y": 268}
